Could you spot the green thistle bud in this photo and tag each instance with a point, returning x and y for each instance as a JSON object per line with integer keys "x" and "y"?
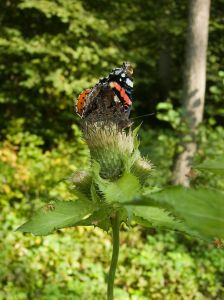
{"x": 142, "y": 168}
{"x": 82, "y": 180}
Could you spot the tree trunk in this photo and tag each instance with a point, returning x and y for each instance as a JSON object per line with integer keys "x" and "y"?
{"x": 194, "y": 84}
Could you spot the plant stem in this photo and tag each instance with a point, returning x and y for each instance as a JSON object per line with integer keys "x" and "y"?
{"x": 115, "y": 223}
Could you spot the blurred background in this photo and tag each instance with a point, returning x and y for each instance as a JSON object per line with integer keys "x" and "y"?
{"x": 49, "y": 52}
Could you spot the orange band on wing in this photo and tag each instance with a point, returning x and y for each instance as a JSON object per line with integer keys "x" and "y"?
{"x": 81, "y": 101}
{"x": 122, "y": 92}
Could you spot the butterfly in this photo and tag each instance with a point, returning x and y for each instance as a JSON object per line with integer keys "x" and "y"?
{"x": 111, "y": 94}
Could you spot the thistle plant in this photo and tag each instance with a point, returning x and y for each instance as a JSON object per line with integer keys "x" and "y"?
{"x": 115, "y": 189}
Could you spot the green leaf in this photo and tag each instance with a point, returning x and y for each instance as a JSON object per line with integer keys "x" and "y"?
{"x": 136, "y": 130}
{"x": 95, "y": 197}
{"x": 150, "y": 216}
{"x": 216, "y": 166}
{"x": 122, "y": 190}
{"x": 202, "y": 210}
{"x": 58, "y": 215}
{"x": 164, "y": 106}
{"x": 136, "y": 140}
{"x": 99, "y": 218}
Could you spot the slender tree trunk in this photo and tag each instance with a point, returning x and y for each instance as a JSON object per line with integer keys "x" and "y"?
{"x": 194, "y": 84}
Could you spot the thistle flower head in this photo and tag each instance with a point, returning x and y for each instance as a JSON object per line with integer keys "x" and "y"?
{"x": 113, "y": 147}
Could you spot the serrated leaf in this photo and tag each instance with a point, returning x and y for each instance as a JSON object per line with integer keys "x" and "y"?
{"x": 95, "y": 197}
{"x": 59, "y": 215}
{"x": 215, "y": 166}
{"x": 122, "y": 190}
{"x": 150, "y": 216}
{"x": 202, "y": 210}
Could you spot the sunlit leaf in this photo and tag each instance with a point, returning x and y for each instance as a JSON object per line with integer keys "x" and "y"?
{"x": 202, "y": 210}
{"x": 100, "y": 218}
{"x": 122, "y": 190}
{"x": 156, "y": 217}
{"x": 58, "y": 215}
{"x": 216, "y": 166}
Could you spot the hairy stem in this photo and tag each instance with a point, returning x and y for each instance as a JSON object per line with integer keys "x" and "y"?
{"x": 115, "y": 223}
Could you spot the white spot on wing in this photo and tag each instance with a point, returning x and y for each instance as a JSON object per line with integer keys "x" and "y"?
{"x": 116, "y": 99}
{"x": 129, "y": 82}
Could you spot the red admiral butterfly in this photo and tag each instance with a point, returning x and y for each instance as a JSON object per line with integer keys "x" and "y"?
{"x": 112, "y": 94}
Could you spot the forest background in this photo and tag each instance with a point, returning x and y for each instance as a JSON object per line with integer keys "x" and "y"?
{"x": 49, "y": 52}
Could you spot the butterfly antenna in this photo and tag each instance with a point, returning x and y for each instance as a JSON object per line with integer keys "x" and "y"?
{"x": 142, "y": 116}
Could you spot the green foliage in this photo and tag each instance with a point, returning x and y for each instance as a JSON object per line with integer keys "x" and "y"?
{"x": 65, "y": 48}
{"x": 214, "y": 166}
{"x": 68, "y": 45}
{"x": 58, "y": 215}
{"x": 201, "y": 209}
{"x": 120, "y": 191}
{"x": 161, "y": 145}
{"x": 27, "y": 172}
{"x": 103, "y": 193}
{"x": 211, "y": 145}
{"x": 166, "y": 112}
{"x": 197, "y": 212}
{"x": 150, "y": 216}
{"x": 57, "y": 57}
{"x": 160, "y": 265}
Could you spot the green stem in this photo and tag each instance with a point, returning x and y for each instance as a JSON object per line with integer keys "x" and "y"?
{"x": 115, "y": 223}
